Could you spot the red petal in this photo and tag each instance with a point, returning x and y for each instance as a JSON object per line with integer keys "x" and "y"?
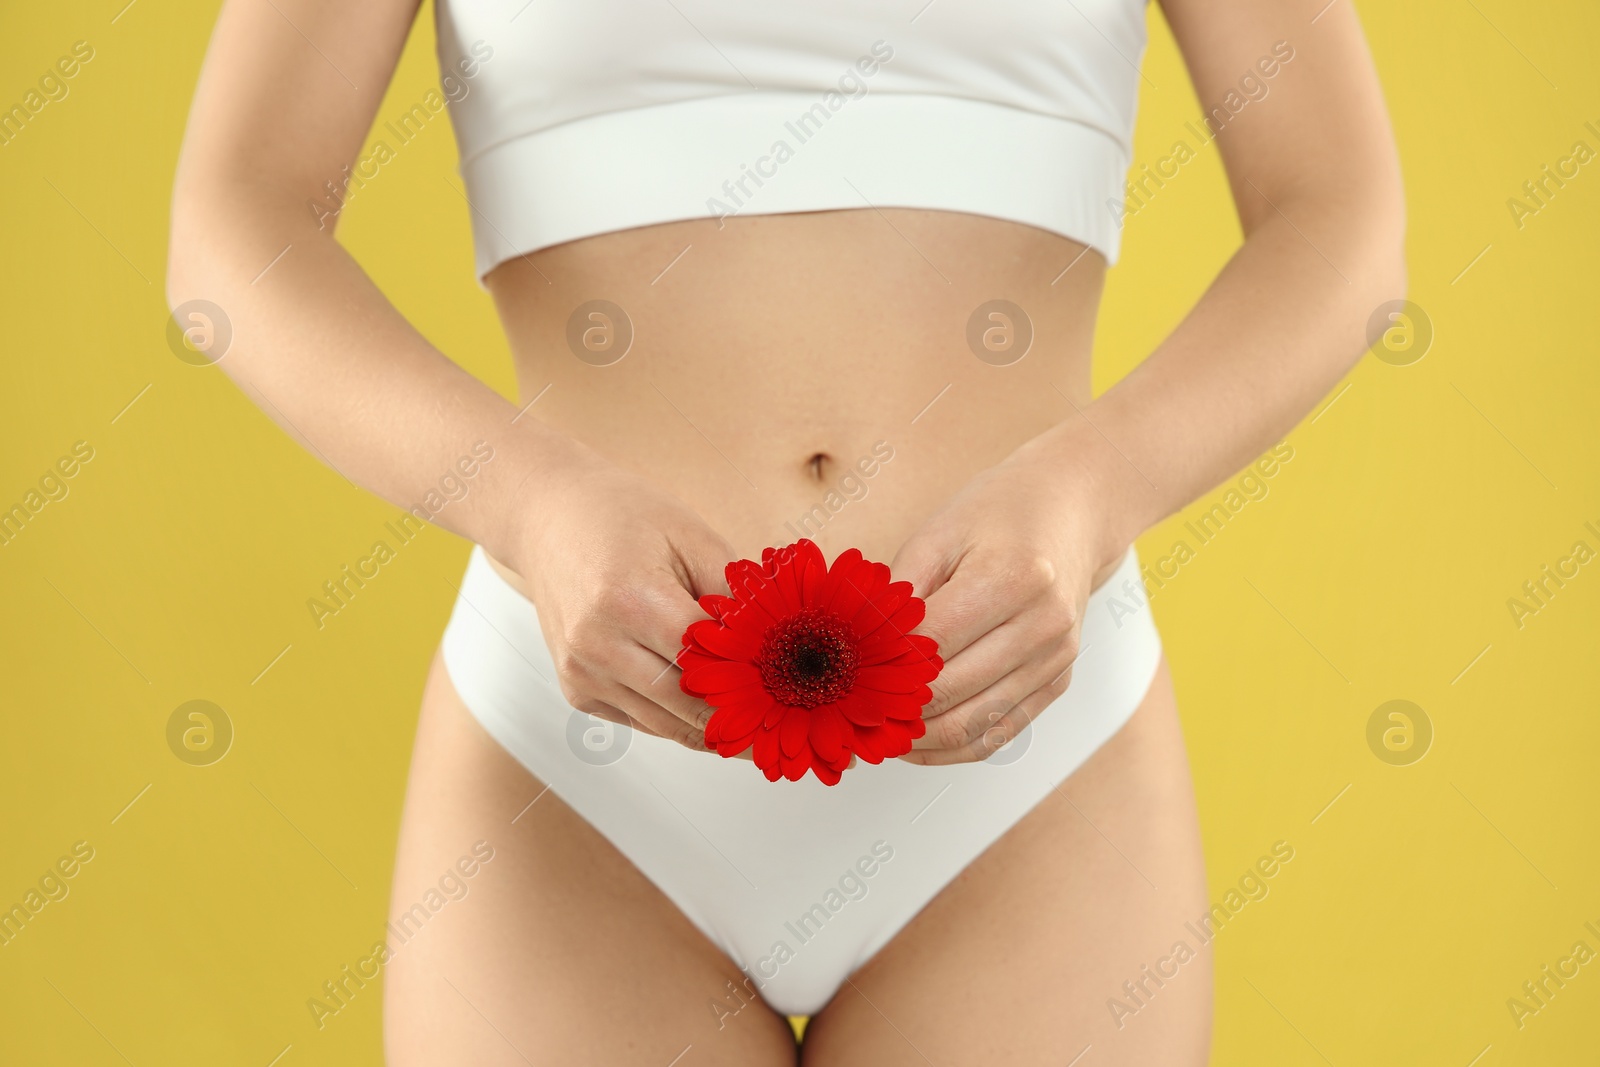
{"x": 861, "y": 707}
{"x": 760, "y": 603}
{"x": 904, "y": 705}
{"x": 902, "y": 619}
{"x": 879, "y": 580}
{"x": 858, "y": 585}
{"x": 722, "y": 676}
{"x": 880, "y": 649}
{"x": 829, "y": 732}
{"x": 842, "y": 567}
{"x": 887, "y": 741}
{"x": 714, "y": 604}
{"x": 825, "y": 774}
{"x": 770, "y": 600}
{"x": 734, "y": 723}
{"x": 795, "y": 726}
{"x": 789, "y": 569}
{"x": 888, "y": 679}
{"x": 795, "y": 767}
{"x": 729, "y": 749}
{"x": 910, "y": 659}
{"x": 727, "y": 642}
{"x": 870, "y": 743}
{"x": 812, "y": 569}
{"x": 690, "y": 658}
{"x": 882, "y": 608}
{"x": 886, "y": 644}
{"x": 785, "y": 584}
{"x": 766, "y": 751}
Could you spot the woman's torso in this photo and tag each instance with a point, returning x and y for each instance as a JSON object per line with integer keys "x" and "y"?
{"x": 834, "y": 375}
{"x": 801, "y": 363}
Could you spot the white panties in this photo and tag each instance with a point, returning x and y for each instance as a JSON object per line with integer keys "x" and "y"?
{"x": 798, "y": 882}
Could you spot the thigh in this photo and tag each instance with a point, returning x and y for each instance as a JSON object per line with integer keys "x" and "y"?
{"x": 1022, "y": 958}
{"x": 554, "y": 948}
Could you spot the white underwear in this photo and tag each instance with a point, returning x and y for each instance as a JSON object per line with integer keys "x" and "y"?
{"x": 798, "y": 882}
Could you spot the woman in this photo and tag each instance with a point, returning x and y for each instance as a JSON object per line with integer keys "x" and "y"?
{"x": 827, "y": 271}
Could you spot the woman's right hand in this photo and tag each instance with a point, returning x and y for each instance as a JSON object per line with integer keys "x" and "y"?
{"x": 614, "y": 565}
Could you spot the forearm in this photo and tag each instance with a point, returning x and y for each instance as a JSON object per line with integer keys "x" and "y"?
{"x": 317, "y": 346}
{"x": 1283, "y": 322}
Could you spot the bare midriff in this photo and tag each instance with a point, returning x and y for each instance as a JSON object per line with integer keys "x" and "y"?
{"x": 805, "y": 375}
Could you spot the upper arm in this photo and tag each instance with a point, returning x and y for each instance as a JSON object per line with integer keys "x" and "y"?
{"x": 286, "y": 96}
{"x": 1315, "y": 128}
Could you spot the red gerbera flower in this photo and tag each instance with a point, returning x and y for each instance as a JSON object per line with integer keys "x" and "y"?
{"x": 811, "y": 664}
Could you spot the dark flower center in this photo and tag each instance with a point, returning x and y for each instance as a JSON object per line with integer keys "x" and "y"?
{"x": 808, "y": 659}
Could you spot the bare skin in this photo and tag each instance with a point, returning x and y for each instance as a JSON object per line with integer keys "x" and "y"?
{"x": 563, "y": 952}
{"x": 775, "y": 353}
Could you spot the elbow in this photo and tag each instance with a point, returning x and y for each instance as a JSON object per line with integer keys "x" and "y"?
{"x": 1380, "y": 228}
{"x": 219, "y": 226}
{"x": 1388, "y": 254}
{"x": 185, "y": 272}
{"x": 1383, "y": 278}
{"x": 200, "y": 234}
{"x": 178, "y": 285}
{"x": 204, "y": 329}
{"x": 1363, "y": 231}
{"x": 202, "y": 274}
{"x": 1380, "y": 299}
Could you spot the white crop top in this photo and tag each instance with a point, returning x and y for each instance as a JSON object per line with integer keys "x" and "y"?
{"x": 575, "y": 119}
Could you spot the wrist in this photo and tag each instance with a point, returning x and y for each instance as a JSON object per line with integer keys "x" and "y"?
{"x": 541, "y": 461}
{"x": 1108, "y": 499}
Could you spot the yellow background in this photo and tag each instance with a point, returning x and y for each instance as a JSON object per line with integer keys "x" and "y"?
{"x": 179, "y": 565}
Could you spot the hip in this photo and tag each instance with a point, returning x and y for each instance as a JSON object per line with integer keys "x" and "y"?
{"x": 738, "y": 854}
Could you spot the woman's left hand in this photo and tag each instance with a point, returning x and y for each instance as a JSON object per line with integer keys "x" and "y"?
{"x": 1006, "y": 567}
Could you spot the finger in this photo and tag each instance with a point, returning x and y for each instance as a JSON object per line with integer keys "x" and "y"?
{"x": 702, "y": 567}
{"x": 656, "y": 679}
{"x": 991, "y": 739}
{"x": 663, "y": 692}
{"x": 667, "y": 691}
{"x": 656, "y": 617}
{"x": 680, "y": 733}
{"x": 972, "y": 718}
{"x": 963, "y": 610}
{"x": 659, "y": 720}
{"x": 926, "y": 562}
{"x": 979, "y": 666}
{"x": 956, "y": 728}
{"x": 650, "y": 666}
{"x": 601, "y": 710}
